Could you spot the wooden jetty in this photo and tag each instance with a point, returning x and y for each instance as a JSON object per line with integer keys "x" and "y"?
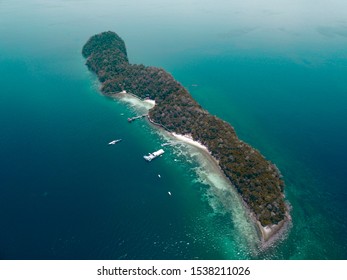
{"x": 137, "y": 117}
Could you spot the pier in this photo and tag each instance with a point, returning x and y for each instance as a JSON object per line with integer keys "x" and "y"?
{"x": 137, "y": 117}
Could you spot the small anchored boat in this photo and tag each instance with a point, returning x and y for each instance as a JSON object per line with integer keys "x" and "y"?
{"x": 114, "y": 141}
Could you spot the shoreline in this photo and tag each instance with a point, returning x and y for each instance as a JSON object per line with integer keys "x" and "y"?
{"x": 189, "y": 140}
{"x": 131, "y": 98}
{"x": 272, "y": 233}
{"x": 268, "y": 234}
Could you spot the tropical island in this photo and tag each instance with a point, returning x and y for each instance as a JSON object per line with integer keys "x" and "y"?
{"x": 256, "y": 179}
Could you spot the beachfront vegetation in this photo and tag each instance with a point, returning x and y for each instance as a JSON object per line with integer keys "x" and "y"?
{"x": 257, "y": 180}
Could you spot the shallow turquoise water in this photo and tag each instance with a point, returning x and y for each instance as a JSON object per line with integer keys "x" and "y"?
{"x": 65, "y": 194}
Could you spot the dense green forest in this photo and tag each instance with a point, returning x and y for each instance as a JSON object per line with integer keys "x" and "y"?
{"x": 257, "y": 180}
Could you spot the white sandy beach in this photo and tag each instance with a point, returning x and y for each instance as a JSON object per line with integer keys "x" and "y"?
{"x": 132, "y": 99}
{"x": 189, "y": 140}
{"x": 150, "y": 101}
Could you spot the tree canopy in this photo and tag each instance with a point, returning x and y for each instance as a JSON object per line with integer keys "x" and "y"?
{"x": 258, "y": 181}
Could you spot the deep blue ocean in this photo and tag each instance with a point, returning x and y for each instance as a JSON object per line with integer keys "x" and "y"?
{"x": 276, "y": 72}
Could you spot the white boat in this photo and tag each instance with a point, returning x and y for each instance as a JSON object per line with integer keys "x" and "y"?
{"x": 159, "y": 176}
{"x": 153, "y": 155}
{"x": 114, "y": 141}
{"x": 169, "y": 193}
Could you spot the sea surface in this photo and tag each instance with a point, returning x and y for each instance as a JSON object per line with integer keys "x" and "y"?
{"x": 276, "y": 71}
